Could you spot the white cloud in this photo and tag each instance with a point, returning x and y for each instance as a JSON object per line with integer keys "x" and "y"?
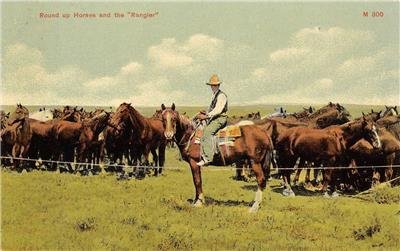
{"x": 131, "y": 68}
{"x": 192, "y": 53}
{"x": 288, "y": 54}
{"x": 322, "y": 65}
{"x": 102, "y": 82}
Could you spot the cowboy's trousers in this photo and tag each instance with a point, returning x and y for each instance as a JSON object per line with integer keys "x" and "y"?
{"x": 208, "y": 132}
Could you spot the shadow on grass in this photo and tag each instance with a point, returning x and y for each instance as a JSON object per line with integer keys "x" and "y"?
{"x": 229, "y": 203}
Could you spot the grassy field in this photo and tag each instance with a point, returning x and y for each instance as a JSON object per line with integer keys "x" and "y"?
{"x": 44, "y": 210}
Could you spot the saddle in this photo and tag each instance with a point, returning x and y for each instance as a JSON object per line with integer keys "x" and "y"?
{"x": 222, "y": 140}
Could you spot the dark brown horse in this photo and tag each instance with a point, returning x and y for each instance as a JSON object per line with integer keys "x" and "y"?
{"x": 147, "y": 134}
{"x": 322, "y": 146}
{"x": 363, "y": 153}
{"x": 254, "y": 144}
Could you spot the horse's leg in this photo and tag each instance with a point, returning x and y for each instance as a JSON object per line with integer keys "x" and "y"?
{"x": 298, "y": 171}
{"x": 290, "y": 162}
{"x": 15, "y": 153}
{"x": 161, "y": 157}
{"x": 389, "y": 169}
{"x": 239, "y": 170}
{"x": 329, "y": 179}
{"x": 376, "y": 177}
{"x": 262, "y": 182}
{"x": 24, "y": 154}
{"x": 155, "y": 161}
{"x": 196, "y": 174}
{"x": 297, "y": 176}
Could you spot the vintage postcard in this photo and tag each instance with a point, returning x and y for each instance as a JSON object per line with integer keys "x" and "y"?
{"x": 204, "y": 125}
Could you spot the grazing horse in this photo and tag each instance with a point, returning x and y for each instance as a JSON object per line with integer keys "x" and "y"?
{"x": 147, "y": 134}
{"x": 324, "y": 146}
{"x": 19, "y": 129}
{"x": 253, "y": 144}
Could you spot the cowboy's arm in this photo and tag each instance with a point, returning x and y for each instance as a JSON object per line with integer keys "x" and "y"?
{"x": 219, "y": 107}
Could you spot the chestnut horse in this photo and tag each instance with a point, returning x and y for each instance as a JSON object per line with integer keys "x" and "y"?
{"x": 325, "y": 146}
{"x": 147, "y": 134}
{"x": 254, "y": 144}
{"x": 18, "y": 134}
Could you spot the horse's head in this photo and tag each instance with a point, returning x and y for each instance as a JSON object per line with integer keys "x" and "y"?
{"x": 331, "y": 114}
{"x": 72, "y": 114}
{"x": 121, "y": 116}
{"x": 370, "y": 132}
{"x": 157, "y": 114}
{"x": 170, "y": 118}
{"x": 374, "y": 116}
{"x": 20, "y": 113}
{"x": 390, "y": 111}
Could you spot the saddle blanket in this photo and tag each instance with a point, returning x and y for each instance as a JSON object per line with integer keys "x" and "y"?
{"x": 232, "y": 131}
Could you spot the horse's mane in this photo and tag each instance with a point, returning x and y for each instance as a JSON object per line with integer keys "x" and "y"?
{"x": 185, "y": 122}
{"x": 320, "y": 111}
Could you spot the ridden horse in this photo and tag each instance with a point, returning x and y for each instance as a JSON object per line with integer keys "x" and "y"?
{"x": 254, "y": 144}
{"x": 18, "y": 133}
{"x": 147, "y": 134}
{"x": 325, "y": 146}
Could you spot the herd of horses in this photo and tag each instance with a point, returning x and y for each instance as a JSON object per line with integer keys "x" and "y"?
{"x": 323, "y": 139}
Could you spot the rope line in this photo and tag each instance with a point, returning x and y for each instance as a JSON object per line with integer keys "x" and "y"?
{"x": 204, "y": 168}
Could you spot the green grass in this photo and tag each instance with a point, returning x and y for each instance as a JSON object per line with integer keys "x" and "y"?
{"x": 43, "y": 210}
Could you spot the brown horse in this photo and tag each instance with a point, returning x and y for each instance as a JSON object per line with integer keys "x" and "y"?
{"x": 3, "y": 118}
{"x": 80, "y": 135}
{"x": 18, "y": 134}
{"x": 254, "y": 144}
{"x": 363, "y": 153}
{"x": 322, "y": 146}
{"x": 147, "y": 134}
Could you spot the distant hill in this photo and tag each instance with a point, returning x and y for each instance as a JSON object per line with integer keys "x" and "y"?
{"x": 355, "y": 110}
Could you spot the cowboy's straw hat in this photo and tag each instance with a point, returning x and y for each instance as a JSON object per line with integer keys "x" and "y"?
{"x": 214, "y": 80}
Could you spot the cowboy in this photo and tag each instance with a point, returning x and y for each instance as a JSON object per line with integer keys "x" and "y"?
{"x": 215, "y": 119}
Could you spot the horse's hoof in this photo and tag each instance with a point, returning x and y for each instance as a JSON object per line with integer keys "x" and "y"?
{"x": 288, "y": 193}
{"x": 198, "y": 203}
{"x": 326, "y": 195}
